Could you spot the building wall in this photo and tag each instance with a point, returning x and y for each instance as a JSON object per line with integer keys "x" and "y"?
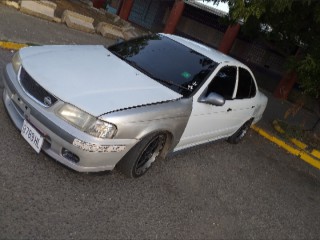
{"x": 249, "y": 52}
{"x": 200, "y": 31}
{"x": 150, "y": 13}
{"x": 113, "y": 6}
{"x": 255, "y": 53}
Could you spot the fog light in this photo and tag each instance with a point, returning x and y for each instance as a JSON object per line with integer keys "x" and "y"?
{"x": 70, "y": 156}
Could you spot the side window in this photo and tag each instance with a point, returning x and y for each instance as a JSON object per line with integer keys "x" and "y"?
{"x": 246, "y": 86}
{"x": 223, "y": 83}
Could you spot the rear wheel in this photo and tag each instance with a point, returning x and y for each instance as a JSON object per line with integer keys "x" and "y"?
{"x": 140, "y": 158}
{"x": 239, "y": 135}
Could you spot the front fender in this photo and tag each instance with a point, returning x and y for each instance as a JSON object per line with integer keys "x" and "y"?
{"x": 138, "y": 122}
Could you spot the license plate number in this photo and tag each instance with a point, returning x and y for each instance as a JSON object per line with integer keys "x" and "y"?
{"x": 32, "y": 136}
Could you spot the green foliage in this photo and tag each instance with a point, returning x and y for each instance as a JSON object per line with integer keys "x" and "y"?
{"x": 309, "y": 75}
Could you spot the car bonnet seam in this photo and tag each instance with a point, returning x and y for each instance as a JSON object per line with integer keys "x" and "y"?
{"x": 142, "y": 105}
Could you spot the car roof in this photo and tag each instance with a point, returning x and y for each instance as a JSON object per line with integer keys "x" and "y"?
{"x": 204, "y": 50}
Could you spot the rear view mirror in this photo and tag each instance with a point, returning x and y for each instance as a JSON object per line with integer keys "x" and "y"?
{"x": 213, "y": 99}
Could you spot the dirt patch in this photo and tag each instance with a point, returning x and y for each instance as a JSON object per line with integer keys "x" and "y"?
{"x": 309, "y": 137}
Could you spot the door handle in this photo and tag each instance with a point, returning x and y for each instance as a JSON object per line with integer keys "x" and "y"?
{"x": 229, "y": 110}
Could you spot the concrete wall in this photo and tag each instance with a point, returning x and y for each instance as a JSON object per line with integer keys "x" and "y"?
{"x": 144, "y": 13}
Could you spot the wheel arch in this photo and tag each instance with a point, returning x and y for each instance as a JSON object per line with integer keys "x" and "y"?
{"x": 168, "y": 142}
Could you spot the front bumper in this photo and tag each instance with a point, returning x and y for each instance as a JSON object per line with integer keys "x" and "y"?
{"x": 58, "y": 134}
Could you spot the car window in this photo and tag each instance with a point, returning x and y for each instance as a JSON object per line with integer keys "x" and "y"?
{"x": 224, "y": 82}
{"x": 246, "y": 86}
{"x": 171, "y": 63}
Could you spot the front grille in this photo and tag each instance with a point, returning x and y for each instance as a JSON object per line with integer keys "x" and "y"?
{"x": 35, "y": 90}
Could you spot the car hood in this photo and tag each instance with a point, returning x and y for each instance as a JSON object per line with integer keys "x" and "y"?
{"x": 92, "y": 78}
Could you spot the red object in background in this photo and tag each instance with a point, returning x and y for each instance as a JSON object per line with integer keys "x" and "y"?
{"x": 126, "y": 9}
{"x": 288, "y": 80}
{"x": 228, "y": 38}
{"x": 174, "y": 17}
{"x": 285, "y": 85}
{"x": 98, "y": 3}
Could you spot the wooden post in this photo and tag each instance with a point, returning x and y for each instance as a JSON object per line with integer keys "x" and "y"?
{"x": 285, "y": 85}
{"x": 287, "y": 82}
{"x": 228, "y": 38}
{"x": 98, "y": 3}
{"x": 174, "y": 17}
{"x": 126, "y": 9}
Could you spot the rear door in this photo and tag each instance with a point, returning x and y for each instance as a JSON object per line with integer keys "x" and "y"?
{"x": 244, "y": 101}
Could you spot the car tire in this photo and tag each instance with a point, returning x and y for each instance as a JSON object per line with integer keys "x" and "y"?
{"x": 240, "y": 133}
{"x": 140, "y": 158}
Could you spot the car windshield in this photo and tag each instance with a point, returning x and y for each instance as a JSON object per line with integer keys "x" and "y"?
{"x": 172, "y": 64}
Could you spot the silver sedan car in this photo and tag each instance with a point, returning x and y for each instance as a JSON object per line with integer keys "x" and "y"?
{"x": 94, "y": 108}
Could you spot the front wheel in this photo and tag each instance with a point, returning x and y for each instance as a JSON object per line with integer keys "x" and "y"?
{"x": 239, "y": 135}
{"x": 140, "y": 158}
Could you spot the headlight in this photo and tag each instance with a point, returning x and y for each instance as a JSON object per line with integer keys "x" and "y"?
{"x": 75, "y": 116}
{"x": 16, "y": 62}
{"x": 86, "y": 122}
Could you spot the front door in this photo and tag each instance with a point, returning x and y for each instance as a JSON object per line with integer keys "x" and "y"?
{"x": 208, "y": 122}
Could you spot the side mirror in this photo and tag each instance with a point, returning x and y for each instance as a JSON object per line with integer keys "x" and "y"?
{"x": 213, "y": 99}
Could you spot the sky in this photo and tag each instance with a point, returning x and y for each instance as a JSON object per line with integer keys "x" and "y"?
{"x": 220, "y": 6}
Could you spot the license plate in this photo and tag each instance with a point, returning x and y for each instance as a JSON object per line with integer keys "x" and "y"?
{"x": 32, "y": 136}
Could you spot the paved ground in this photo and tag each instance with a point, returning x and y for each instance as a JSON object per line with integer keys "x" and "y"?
{"x": 253, "y": 190}
{"x": 18, "y": 27}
